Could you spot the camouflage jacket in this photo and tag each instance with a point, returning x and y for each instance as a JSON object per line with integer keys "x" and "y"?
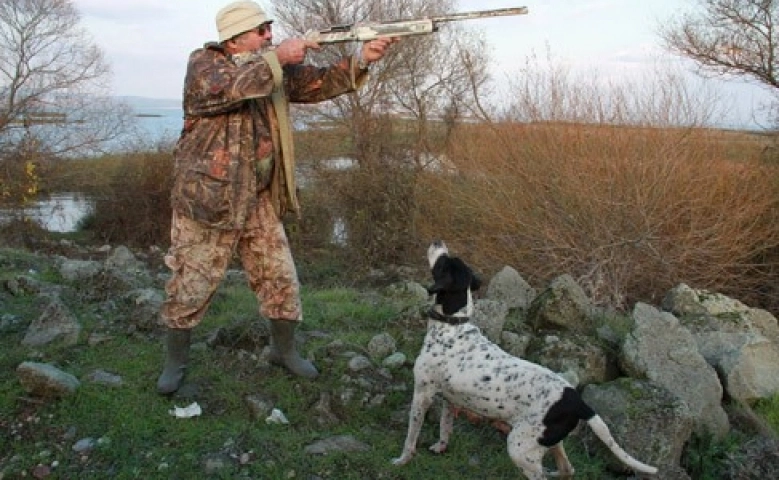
{"x": 230, "y": 125}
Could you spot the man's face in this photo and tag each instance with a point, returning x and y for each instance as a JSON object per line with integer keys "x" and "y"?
{"x": 252, "y": 40}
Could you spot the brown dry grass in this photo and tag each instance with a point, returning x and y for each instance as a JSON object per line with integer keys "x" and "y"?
{"x": 629, "y": 211}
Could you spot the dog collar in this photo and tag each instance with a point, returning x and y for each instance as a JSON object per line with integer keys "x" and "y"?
{"x": 450, "y": 319}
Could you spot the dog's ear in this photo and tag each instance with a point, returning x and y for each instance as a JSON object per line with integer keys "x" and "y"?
{"x": 462, "y": 276}
{"x": 442, "y": 277}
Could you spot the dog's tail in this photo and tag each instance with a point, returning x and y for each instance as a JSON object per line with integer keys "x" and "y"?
{"x": 600, "y": 429}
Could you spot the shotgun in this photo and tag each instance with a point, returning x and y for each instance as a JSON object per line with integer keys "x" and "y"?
{"x": 401, "y": 28}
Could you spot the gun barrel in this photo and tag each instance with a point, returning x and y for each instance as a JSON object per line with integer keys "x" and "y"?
{"x": 499, "y": 12}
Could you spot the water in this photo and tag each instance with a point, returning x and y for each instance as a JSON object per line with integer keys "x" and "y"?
{"x": 161, "y": 124}
{"x": 157, "y": 119}
{"x": 60, "y": 212}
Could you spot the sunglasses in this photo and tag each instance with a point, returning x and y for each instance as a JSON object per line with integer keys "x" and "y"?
{"x": 262, "y": 29}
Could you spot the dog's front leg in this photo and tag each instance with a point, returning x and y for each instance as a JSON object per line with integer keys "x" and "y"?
{"x": 446, "y": 425}
{"x": 416, "y": 416}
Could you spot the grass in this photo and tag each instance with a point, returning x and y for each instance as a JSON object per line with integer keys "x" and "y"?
{"x": 135, "y": 436}
{"x": 769, "y": 410}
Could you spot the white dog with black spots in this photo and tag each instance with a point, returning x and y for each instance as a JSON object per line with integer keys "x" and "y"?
{"x": 473, "y": 373}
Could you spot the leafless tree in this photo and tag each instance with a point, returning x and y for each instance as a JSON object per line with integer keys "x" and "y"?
{"x": 731, "y": 37}
{"x": 424, "y": 78}
{"x": 53, "y": 90}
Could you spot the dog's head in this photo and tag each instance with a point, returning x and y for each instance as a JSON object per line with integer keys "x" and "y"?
{"x": 436, "y": 249}
{"x": 453, "y": 279}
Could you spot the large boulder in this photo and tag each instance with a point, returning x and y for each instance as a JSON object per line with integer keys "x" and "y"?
{"x": 649, "y": 422}
{"x": 563, "y": 305}
{"x": 747, "y": 363}
{"x": 576, "y": 355}
{"x": 44, "y": 380}
{"x": 490, "y": 317}
{"x": 660, "y": 349}
{"x": 704, "y": 311}
{"x": 509, "y": 287}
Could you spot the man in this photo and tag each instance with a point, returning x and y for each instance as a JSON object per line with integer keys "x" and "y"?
{"x": 234, "y": 177}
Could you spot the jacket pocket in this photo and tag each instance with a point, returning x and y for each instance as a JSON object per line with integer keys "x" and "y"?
{"x": 205, "y": 198}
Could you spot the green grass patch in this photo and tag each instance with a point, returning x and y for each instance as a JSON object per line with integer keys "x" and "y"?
{"x": 769, "y": 410}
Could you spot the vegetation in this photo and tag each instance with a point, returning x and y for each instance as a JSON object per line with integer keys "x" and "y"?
{"x": 731, "y": 37}
{"x": 134, "y": 435}
{"x": 627, "y": 188}
{"x": 735, "y": 39}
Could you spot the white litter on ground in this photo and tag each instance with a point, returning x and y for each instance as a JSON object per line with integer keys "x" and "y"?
{"x": 192, "y": 410}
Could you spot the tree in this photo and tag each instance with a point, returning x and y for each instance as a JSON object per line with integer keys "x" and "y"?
{"x": 395, "y": 123}
{"x": 730, "y": 37}
{"x": 53, "y": 84}
{"x": 424, "y": 78}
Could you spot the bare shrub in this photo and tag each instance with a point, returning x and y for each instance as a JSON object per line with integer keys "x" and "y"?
{"x": 135, "y": 207}
{"x": 617, "y": 197}
{"x": 362, "y": 213}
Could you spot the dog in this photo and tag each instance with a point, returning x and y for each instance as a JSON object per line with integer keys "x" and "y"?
{"x": 474, "y": 374}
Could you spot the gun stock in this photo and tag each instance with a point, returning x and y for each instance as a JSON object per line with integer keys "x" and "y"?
{"x": 401, "y": 28}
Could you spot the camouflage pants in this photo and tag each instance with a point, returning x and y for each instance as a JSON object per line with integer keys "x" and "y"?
{"x": 199, "y": 257}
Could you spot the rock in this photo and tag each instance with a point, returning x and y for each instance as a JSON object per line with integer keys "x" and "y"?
{"x": 648, "y": 421}
{"x": 105, "y": 378}
{"x": 412, "y": 290}
{"x": 79, "y": 270}
{"x": 84, "y": 445}
{"x": 44, "y": 380}
{"x": 514, "y": 343}
{"x": 746, "y": 363}
{"x": 562, "y": 306}
{"x": 55, "y": 323}
{"x": 394, "y": 361}
{"x": 122, "y": 258}
{"x": 490, "y": 317}
{"x": 359, "y": 363}
{"x": 339, "y": 444}
{"x": 260, "y": 406}
{"x": 660, "y": 349}
{"x": 509, "y": 287}
{"x": 381, "y": 345}
{"x": 146, "y": 304}
{"x": 578, "y": 354}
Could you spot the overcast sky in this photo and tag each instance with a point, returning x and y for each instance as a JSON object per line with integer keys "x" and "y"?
{"x": 147, "y": 41}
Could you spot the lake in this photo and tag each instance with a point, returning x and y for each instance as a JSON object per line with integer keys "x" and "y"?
{"x": 159, "y": 119}
{"x": 60, "y": 212}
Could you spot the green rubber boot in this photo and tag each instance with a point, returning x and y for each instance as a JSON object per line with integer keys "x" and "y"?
{"x": 284, "y": 353}
{"x": 177, "y": 356}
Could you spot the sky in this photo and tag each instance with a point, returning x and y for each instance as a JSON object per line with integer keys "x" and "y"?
{"x": 147, "y": 42}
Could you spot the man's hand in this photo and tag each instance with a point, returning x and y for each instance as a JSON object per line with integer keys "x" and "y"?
{"x": 375, "y": 49}
{"x": 293, "y": 50}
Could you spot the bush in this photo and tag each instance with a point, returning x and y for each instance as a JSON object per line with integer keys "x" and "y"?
{"x": 134, "y": 208}
{"x": 609, "y": 188}
{"x": 362, "y": 215}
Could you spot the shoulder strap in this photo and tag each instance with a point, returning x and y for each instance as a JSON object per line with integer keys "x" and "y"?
{"x": 287, "y": 157}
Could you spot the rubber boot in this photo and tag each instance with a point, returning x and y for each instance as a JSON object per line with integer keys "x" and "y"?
{"x": 177, "y": 356}
{"x": 283, "y": 351}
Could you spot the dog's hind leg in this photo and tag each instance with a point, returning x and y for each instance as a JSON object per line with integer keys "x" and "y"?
{"x": 416, "y": 416}
{"x": 526, "y": 453}
{"x": 564, "y": 468}
{"x": 446, "y": 425}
